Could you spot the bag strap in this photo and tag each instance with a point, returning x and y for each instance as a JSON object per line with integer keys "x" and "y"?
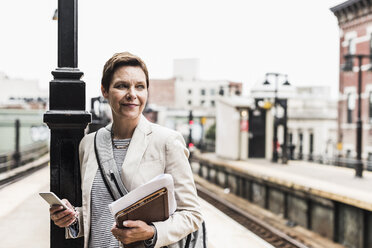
{"x": 188, "y": 239}
{"x": 107, "y": 166}
{"x": 204, "y": 233}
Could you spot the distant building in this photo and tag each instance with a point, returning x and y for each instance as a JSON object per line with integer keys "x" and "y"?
{"x": 312, "y": 124}
{"x": 187, "y": 91}
{"x": 162, "y": 92}
{"x": 21, "y": 93}
{"x": 173, "y": 98}
{"x": 311, "y": 121}
{"x": 355, "y": 22}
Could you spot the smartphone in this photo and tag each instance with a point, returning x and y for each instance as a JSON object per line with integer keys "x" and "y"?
{"x": 52, "y": 199}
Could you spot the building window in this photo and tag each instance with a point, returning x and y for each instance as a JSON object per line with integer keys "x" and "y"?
{"x": 370, "y": 107}
{"x": 202, "y": 102}
{"x": 221, "y": 92}
{"x": 189, "y": 102}
{"x": 369, "y": 158}
{"x": 350, "y": 50}
{"x": 350, "y": 107}
{"x": 348, "y": 153}
{"x": 202, "y": 92}
{"x": 352, "y": 46}
{"x": 212, "y": 103}
{"x": 213, "y": 92}
{"x": 190, "y": 91}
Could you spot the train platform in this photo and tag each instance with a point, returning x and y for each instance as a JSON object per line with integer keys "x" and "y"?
{"x": 327, "y": 200}
{"x": 327, "y": 181}
{"x": 24, "y": 218}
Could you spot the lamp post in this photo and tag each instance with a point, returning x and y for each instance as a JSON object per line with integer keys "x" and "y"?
{"x": 359, "y": 123}
{"x": 66, "y": 119}
{"x": 190, "y": 143}
{"x": 276, "y": 118}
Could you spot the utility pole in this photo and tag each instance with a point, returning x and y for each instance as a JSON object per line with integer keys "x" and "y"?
{"x": 66, "y": 119}
{"x": 283, "y": 103}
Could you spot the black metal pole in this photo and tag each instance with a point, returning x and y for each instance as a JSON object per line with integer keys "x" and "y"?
{"x": 191, "y": 122}
{"x": 17, "y": 154}
{"x": 67, "y": 119}
{"x": 284, "y": 147}
{"x": 359, "y": 164}
{"x": 275, "y": 136}
{"x": 67, "y": 33}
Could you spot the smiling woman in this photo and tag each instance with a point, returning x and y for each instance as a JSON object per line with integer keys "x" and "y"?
{"x": 135, "y": 151}
{"x": 127, "y": 96}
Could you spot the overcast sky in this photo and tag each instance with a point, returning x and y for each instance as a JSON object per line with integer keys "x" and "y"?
{"x": 237, "y": 40}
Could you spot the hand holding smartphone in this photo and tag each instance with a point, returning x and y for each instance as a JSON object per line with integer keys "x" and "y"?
{"x": 52, "y": 199}
{"x": 61, "y": 217}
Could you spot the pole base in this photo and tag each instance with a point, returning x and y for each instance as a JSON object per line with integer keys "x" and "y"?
{"x": 275, "y": 157}
{"x": 359, "y": 169}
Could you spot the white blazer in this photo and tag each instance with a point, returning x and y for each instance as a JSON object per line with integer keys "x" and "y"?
{"x": 153, "y": 150}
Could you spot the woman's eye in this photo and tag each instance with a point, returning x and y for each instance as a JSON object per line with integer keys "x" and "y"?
{"x": 120, "y": 86}
{"x": 140, "y": 86}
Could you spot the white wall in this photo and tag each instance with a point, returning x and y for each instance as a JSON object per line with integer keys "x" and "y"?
{"x": 183, "y": 87}
{"x": 227, "y": 131}
{"x": 20, "y": 88}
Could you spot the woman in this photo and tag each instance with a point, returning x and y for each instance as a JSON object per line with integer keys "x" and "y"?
{"x": 141, "y": 150}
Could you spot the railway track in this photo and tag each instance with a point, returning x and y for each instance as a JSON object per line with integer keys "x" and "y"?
{"x": 268, "y": 233}
{"x": 19, "y": 176}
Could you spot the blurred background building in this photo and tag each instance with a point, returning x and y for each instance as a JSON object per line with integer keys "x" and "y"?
{"x": 355, "y": 22}
{"x": 171, "y": 100}
{"x": 25, "y": 101}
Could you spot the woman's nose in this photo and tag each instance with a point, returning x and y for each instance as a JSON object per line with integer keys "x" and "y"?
{"x": 131, "y": 94}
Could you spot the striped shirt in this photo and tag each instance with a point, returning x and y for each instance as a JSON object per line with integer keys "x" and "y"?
{"x": 101, "y": 218}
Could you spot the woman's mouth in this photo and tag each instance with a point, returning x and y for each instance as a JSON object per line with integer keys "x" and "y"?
{"x": 129, "y": 105}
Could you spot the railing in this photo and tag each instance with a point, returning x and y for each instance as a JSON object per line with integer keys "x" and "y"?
{"x": 29, "y": 153}
{"x": 337, "y": 161}
{"x": 207, "y": 146}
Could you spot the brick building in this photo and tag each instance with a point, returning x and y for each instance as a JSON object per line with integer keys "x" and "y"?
{"x": 170, "y": 100}
{"x": 187, "y": 91}
{"x": 162, "y": 92}
{"x": 355, "y": 22}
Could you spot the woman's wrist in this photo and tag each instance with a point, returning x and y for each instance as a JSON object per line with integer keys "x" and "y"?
{"x": 151, "y": 241}
{"x": 76, "y": 214}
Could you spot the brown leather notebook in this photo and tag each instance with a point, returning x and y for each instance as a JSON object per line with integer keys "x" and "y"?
{"x": 151, "y": 208}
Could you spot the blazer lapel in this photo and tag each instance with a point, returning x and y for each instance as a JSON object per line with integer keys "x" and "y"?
{"x": 136, "y": 149}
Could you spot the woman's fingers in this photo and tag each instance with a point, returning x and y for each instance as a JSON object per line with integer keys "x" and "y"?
{"x": 55, "y": 208}
{"x": 68, "y": 204}
{"x": 135, "y": 231}
{"x": 60, "y": 214}
{"x": 65, "y": 220}
{"x": 62, "y": 218}
{"x": 133, "y": 223}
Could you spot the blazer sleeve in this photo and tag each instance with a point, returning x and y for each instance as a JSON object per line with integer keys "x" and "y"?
{"x": 187, "y": 217}
{"x": 68, "y": 234}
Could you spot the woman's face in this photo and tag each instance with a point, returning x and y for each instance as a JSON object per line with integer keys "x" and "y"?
{"x": 127, "y": 94}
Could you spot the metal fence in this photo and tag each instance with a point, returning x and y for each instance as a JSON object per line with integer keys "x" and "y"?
{"x": 337, "y": 161}
{"x": 28, "y": 153}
